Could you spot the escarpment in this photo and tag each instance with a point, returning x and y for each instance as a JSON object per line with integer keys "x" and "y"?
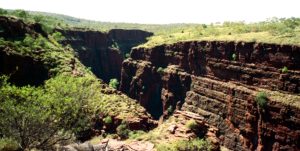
{"x": 220, "y": 81}
{"x": 103, "y": 52}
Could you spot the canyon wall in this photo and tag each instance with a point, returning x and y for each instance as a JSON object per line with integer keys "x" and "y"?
{"x": 220, "y": 81}
{"x": 23, "y": 70}
{"x": 103, "y": 52}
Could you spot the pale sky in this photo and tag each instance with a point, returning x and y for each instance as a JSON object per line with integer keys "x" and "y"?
{"x": 163, "y": 11}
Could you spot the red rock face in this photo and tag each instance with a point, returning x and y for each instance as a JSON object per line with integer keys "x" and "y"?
{"x": 204, "y": 78}
{"x": 23, "y": 70}
{"x": 95, "y": 49}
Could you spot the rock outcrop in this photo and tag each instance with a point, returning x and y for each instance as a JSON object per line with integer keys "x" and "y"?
{"x": 103, "y": 52}
{"x": 219, "y": 81}
{"x": 23, "y": 70}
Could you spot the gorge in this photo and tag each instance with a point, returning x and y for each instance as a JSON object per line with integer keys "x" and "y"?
{"x": 203, "y": 78}
{"x": 217, "y": 82}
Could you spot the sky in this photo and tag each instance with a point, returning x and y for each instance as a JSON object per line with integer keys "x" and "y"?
{"x": 163, "y": 11}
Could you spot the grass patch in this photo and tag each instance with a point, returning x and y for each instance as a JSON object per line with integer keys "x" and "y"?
{"x": 183, "y": 145}
{"x": 192, "y": 125}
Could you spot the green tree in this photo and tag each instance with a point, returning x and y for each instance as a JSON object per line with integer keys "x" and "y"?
{"x": 3, "y": 11}
{"x": 38, "y": 117}
{"x": 21, "y": 13}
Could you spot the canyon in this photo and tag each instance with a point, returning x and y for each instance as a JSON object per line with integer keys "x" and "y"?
{"x": 197, "y": 77}
{"x": 203, "y": 78}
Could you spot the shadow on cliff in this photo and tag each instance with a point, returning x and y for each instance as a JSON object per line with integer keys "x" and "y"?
{"x": 22, "y": 70}
{"x": 104, "y": 52}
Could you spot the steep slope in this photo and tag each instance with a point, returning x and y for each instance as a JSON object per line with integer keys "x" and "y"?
{"x": 220, "y": 81}
{"x": 104, "y": 52}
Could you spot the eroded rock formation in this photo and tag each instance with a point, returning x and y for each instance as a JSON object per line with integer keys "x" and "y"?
{"x": 204, "y": 78}
{"x": 104, "y": 52}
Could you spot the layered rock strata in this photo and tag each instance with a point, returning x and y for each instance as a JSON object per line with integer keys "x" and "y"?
{"x": 220, "y": 80}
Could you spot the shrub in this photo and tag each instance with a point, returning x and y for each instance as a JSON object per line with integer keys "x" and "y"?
{"x": 58, "y": 36}
{"x": 284, "y": 69}
{"x": 234, "y": 56}
{"x": 170, "y": 109}
{"x": 113, "y": 83}
{"x": 123, "y": 131}
{"x": 192, "y": 125}
{"x": 108, "y": 120}
{"x": 261, "y": 99}
{"x": 160, "y": 70}
{"x": 127, "y": 55}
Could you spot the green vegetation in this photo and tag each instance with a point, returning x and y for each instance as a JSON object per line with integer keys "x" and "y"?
{"x": 115, "y": 45}
{"x": 61, "y": 107}
{"x": 170, "y": 110}
{"x": 136, "y": 134}
{"x": 8, "y": 144}
{"x": 160, "y": 70}
{"x": 123, "y": 131}
{"x": 285, "y": 70}
{"x": 108, "y": 120}
{"x": 192, "y": 125}
{"x": 261, "y": 99}
{"x": 274, "y": 30}
{"x": 38, "y": 117}
{"x": 113, "y": 83}
{"x": 127, "y": 55}
{"x": 234, "y": 56}
{"x": 182, "y": 145}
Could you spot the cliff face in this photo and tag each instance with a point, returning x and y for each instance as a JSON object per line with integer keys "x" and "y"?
{"x": 219, "y": 81}
{"x": 104, "y": 52}
{"x": 23, "y": 70}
